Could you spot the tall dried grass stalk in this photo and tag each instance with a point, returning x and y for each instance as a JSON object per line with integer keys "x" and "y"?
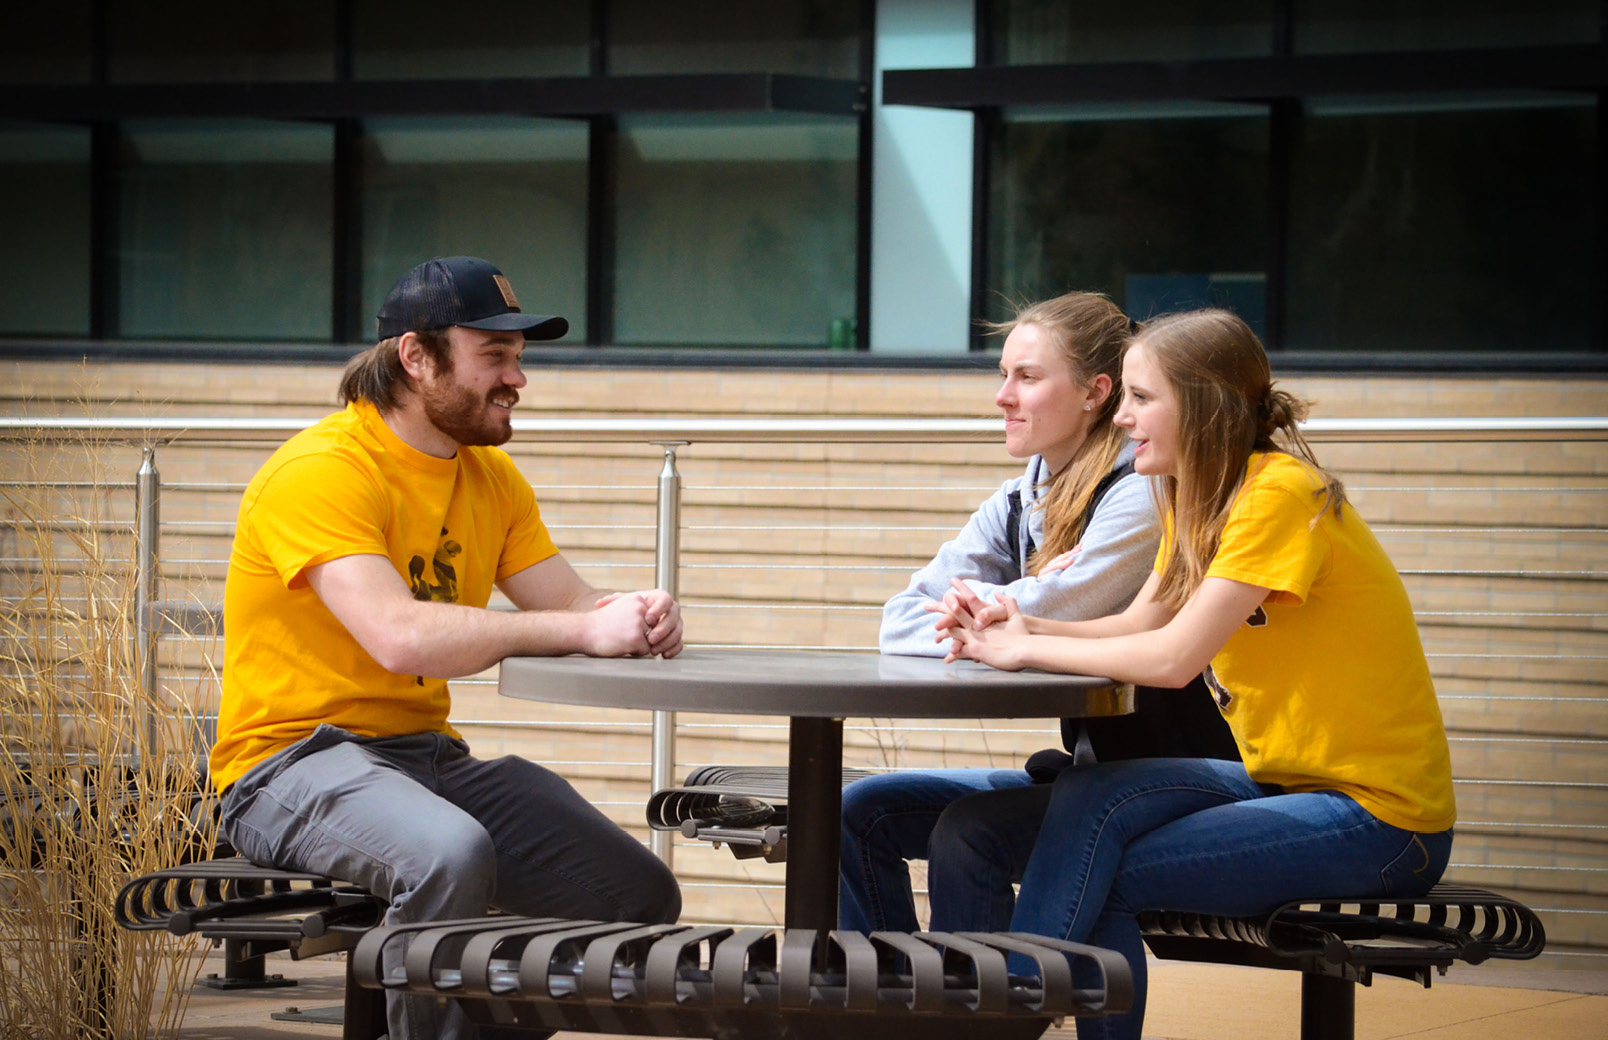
{"x": 82, "y": 807}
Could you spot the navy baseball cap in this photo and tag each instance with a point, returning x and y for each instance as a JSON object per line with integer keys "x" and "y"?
{"x": 464, "y": 291}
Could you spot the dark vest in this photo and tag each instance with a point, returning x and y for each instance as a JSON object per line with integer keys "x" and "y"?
{"x": 1182, "y": 723}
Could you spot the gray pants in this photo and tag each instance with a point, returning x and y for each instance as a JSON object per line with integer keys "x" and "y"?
{"x": 442, "y": 835}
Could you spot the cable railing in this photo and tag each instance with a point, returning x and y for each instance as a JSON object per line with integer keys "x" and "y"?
{"x": 1512, "y": 597}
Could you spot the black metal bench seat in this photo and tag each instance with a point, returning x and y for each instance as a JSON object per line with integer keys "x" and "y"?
{"x": 680, "y": 980}
{"x": 741, "y": 807}
{"x": 724, "y": 982}
{"x": 1336, "y": 944}
{"x": 256, "y": 910}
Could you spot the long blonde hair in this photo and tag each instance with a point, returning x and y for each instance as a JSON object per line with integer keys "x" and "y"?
{"x": 1228, "y": 408}
{"x": 1090, "y": 333}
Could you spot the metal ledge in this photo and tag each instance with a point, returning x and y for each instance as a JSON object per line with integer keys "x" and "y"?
{"x": 1579, "y": 67}
{"x": 571, "y": 96}
{"x": 202, "y": 429}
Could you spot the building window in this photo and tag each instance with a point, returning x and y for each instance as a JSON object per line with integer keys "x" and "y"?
{"x": 409, "y": 39}
{"x": 1162, "y": 207}
{"x": 47, "y": 43}
{"x": 1054, "y": 32}
{"x": 1374, "y": 26}
{"x": 44, "y": 207}
{"x": 510, "y": 190}
{"x": 735, "y": 231}
{"x": 178, "y": 41}
{"x": 657, "y": 173}
{"x": 1368, "y": 177}
{"x": 801, "y": 37}
{"x": 1447, "y": 223}
{"x": 226, "y": 230}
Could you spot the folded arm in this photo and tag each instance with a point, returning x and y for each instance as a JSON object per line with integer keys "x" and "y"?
{"x": 1115, "y": 555}
{"x": 1147, "y": 643}
{"x": 559, "y": 614}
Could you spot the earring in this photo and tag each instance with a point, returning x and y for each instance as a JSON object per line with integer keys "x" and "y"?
{"x": 1088, "y": 408}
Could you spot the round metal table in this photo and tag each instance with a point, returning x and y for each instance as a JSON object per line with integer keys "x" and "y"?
{"x": 816, "y": 690}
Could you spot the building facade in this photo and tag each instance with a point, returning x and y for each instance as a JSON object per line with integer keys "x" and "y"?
{"x": 1371, "y": 184}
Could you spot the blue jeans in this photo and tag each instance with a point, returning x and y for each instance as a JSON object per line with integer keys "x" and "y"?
{"x": 1199, "y": 835}
{"x": 442, "y": 835}
{"x": 895, "y": 817}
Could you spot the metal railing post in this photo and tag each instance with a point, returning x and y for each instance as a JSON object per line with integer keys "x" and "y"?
{"x": 147, "y": 526}
{"x": 666, "y": 572}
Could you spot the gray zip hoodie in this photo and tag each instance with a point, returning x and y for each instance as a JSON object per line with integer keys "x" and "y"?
{"x": 1119, "y": 551}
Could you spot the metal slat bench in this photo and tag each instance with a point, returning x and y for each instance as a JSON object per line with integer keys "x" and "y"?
{"x": 1336, "y": 944}
{"x": 742, "y": 807}
{"x": 257, "y": 910}
{"x": 726, "y": 982}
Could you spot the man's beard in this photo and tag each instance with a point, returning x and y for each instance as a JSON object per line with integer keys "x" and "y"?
{"x": 456, "y": 411}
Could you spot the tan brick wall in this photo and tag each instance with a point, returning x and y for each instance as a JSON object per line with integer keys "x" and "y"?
{"x": 800, "y": 544}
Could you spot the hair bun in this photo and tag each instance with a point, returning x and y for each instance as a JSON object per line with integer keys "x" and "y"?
{"x": 1277, "y": 410}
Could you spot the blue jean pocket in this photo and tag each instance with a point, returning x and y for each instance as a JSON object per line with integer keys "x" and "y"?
{"x": 1418, "y": 866}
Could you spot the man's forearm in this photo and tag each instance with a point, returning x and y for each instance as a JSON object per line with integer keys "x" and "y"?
{"x": 448, "y": 640}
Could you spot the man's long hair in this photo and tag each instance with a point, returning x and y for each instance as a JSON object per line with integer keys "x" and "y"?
{"x": 377, "y": 376}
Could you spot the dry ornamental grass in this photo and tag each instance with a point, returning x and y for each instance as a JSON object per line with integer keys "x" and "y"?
{"x": 99, "y": 778}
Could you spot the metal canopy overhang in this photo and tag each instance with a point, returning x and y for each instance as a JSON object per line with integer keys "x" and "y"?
{"x": 575, "y": 97}
{"x": 1583, "y": 67}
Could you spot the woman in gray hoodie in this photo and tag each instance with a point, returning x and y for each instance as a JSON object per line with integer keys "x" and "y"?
{"x": 1073, "y": 538}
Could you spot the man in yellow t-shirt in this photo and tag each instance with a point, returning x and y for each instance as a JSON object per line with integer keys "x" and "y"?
{"x": 365, "y": 553}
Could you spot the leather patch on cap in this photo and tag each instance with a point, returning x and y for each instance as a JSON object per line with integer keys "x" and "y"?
{"x": 506, "y": 290}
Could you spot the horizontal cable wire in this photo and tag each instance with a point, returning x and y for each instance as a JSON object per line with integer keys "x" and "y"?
{"x": 778, "y": 606}
{"x": 1542, "y": 698}
{"x": 644, "y": 725}
{"x": 892, "y": 528}
{"x": 1519, "y": 657}
{"x": 1589, "y": 785}
{"x": 71, "y": 485}
{"x": 1529, "y": 867}
{"x": 1392, "y": 529}
{"x": 1549, "y": 741}
{"x": 1540, "y": 489}
{"x": 1433, "y": 572}
{"x": 973, "y": 489}
{"x": 1507, "y": 613}
{"x": 902, "y": 569}
{"x": 1526, "y": 824}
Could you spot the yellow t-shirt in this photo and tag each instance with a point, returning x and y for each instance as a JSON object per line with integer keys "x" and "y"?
{"x": 349, "y": 486}
{"x": 1326, "y": 686}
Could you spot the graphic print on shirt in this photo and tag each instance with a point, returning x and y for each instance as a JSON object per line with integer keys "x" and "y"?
{"x": 1219, "y": 691}
{"x": 444, "y": 589}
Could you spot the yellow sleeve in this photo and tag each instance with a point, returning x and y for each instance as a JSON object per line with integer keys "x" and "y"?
{"x": 1270, "y": 541}
{"x": 317, "y": 508}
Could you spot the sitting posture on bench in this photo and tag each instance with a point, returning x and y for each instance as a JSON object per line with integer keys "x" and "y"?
{"x": 1268, "y": 581}
{"x": 255, "y": 911}
{"x": 1078, "y": 500}
{"x": 364, "y": 558}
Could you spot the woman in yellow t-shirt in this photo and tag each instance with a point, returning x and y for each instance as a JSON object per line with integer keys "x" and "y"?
{"x": 1268, "y": 581}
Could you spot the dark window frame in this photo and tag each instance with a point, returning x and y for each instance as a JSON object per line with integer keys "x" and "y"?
{"x": 1280, "y": 81}
{"x": 598, "y": 99}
